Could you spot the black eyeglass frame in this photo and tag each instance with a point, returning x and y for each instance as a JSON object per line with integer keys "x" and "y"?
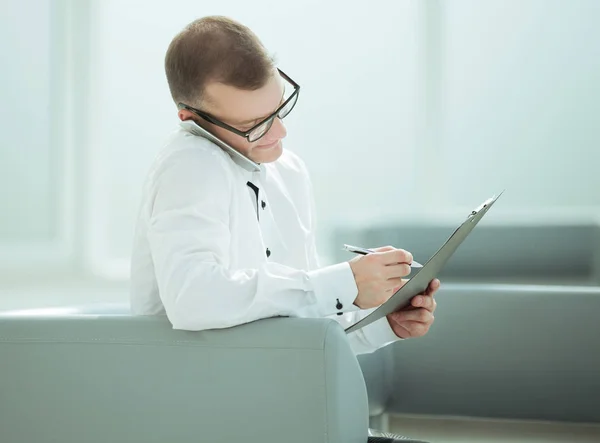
{"x": 246, "y": 134}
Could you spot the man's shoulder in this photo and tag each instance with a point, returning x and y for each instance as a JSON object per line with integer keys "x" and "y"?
{"x": 182, "y": 148}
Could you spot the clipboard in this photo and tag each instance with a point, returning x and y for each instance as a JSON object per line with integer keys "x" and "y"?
{"x": 419, "y": 283}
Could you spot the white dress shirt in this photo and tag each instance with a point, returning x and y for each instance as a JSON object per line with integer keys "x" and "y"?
{"x": 217, "y": 246}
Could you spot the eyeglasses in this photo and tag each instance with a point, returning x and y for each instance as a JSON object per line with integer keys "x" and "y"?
{"x": 261, "y": 128}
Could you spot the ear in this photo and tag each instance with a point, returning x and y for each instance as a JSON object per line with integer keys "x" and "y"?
{"x": 184, "y": 115}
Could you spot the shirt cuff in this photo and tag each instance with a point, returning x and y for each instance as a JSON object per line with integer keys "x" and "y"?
{"x": 335, "y": 289}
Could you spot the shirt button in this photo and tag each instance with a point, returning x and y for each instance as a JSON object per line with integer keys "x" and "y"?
{"x": 268, "y": 252}
{"x": 263, "y": 204}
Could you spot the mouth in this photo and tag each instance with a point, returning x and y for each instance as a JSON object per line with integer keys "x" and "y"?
{"x": 269, "y": 146}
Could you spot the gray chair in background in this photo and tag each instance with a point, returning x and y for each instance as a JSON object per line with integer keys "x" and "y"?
{"x": 517, "y": 329}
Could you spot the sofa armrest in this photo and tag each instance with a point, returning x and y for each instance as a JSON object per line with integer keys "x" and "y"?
{"x": 98, "y": 378}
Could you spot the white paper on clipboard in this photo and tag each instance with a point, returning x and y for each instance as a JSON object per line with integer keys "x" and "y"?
{"x": 419, "y": 283}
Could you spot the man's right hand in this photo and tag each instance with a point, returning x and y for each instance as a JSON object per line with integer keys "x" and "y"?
{"x": 379, "y": 275}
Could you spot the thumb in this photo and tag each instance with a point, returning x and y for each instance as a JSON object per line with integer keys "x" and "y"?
{"x": 394, "y": 317}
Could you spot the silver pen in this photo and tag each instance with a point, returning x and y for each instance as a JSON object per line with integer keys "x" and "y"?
{"x": 364, "y": 251}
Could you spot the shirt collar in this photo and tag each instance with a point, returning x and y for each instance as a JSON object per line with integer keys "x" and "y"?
{"x": 253, "y": 177}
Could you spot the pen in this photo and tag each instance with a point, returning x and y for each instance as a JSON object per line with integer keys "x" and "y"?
{"x": 364, "y": 251}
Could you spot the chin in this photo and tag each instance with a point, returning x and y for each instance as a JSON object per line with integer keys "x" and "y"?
{"x": 268, "y": 155}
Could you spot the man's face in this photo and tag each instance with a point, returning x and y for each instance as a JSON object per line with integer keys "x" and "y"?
{"x": 243, "y": 109}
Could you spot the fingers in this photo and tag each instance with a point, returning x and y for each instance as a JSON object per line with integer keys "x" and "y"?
{"x": 404, "y": 326}
{"x": 434, "y": 285}
{"x": 425, "y": 302}
{"x": 415, "y": 320}
{"x": 394, "y": 256}
{"x": 395, "y": 284}
{"x": 383, "y": 249}
{"x": 412, "y": 328}
{"x": 415, "y": 315}
{"x": 396, "y": 271}
{"x": 393, "y": 263}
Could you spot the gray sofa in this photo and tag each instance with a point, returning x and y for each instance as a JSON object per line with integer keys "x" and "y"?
{"x": 96, "y": 374}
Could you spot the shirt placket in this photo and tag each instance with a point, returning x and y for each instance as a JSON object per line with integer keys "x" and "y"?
{"x": 274, "y": 246}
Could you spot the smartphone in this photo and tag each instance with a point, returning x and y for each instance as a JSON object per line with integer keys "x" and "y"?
{"x": 193, "y": 128}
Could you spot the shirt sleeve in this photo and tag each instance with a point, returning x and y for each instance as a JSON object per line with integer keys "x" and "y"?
{"x": 189, "y": 238}
{"x": 369, "y": 338}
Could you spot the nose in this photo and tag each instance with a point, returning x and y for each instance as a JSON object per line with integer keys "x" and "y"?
{"x": 277, "y": 131}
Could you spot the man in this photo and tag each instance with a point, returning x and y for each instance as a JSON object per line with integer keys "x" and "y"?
{"x": 217, "y": 245}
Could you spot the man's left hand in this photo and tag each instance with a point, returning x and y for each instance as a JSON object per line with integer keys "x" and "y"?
{"x": 416, "y": 319}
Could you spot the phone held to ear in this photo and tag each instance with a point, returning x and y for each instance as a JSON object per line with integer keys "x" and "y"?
{"x": 193, "y": 128}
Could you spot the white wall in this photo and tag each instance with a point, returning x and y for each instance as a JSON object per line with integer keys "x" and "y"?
{"x": 521, "y": 104}
{"x": 35, "y": 215}
{"x": 26, "y": 149}
{"x": 408, "y": 109}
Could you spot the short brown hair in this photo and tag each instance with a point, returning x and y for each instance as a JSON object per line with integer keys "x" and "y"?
{"x": 218, "y": 49}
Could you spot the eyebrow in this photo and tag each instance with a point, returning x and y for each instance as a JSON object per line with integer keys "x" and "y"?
{"x": 256, "y": 120}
